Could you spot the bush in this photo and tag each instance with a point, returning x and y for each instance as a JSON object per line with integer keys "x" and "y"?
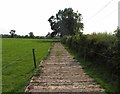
{"x": 102, "y": 49}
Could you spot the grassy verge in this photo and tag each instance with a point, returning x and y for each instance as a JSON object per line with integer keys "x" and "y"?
{"x": 99, "y": 74}
{"x": 17, "y": 61}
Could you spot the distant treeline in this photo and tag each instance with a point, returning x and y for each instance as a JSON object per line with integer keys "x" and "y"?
{"x": 20, "y": 36}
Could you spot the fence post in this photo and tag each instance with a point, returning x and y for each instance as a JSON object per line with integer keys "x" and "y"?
{"x": 84, "y": 53}
{"x": 33, "y": 50}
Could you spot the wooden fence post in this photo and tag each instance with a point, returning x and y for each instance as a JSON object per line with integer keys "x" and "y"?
{"x": 84, "y": 53}
{"x": 33, "y": 50}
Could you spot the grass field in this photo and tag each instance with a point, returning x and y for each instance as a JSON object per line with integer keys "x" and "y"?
{"x": 17, "y": 61}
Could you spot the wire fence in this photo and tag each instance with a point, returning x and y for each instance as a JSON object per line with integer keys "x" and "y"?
{"x": 87, "y": 50}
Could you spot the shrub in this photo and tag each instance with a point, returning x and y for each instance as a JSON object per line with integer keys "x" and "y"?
{"x": 102, "y": 49}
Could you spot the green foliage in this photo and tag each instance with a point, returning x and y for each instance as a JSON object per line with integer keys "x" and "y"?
{"x": 31, "y": 35}
{"x": 12, "y": 33}
{"x": 66, "y": 22}
{"x": 117, "y": 33}
{"x": 17, "y": 61}
{"x": 117, "y": 55}
{"x": 102, "y": 49}
{"x": 59, "y": 53}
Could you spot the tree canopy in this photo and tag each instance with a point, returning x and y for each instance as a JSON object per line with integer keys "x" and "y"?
{"x": 31, "y": 35}
{"x": 12, "y": 33}
{"x": 66, "y": 22}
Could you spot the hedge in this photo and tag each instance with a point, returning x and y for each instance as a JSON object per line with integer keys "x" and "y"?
{"x": 102, "y": 49}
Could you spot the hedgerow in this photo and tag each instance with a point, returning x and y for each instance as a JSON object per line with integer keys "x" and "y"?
{"x": 101, "y": 48}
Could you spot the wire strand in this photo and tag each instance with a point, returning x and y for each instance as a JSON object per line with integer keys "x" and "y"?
{"x": 99, "y": 10}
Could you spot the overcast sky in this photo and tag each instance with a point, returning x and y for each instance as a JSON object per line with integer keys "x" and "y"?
{"x": 26, "y": 16}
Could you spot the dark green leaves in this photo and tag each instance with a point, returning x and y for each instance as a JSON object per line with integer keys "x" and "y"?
{"x": 66, "y": 22}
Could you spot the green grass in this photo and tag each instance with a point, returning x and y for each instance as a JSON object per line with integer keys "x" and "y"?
{"x": 17, "y": 61}
{"x": 99, "y": 74}
{"x": 59, "y": 53}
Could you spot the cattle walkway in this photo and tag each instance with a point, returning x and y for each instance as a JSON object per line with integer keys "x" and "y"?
{"x": 62, "y": 73}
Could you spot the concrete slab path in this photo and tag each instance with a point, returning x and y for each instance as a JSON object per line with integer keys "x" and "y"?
{"x": 62, "y": 73}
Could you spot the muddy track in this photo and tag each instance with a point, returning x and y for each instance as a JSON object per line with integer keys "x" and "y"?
{"x": 62, "y": 73}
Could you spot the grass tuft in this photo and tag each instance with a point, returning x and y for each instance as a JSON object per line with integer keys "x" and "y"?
{"x": 59, "y": 53}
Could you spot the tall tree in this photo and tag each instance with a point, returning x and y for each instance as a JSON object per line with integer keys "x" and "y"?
{"x": 31, "y": 35}
{"x": 12, "y": 33}
{"x": 66, "y": 22}
{"x": 48, "y": 35}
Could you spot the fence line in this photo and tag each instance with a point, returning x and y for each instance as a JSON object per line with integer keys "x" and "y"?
{"x": 97, "y": 53}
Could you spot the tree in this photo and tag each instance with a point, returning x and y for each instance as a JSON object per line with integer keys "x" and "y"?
{"x": 12, "y": 33}
{"x": 117, "y": 33}
{"x": 31, "y": 35}
{"x": 48, "y": 35}
{"x": 66, "y": 22}
{"x": 26, "y": 36}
